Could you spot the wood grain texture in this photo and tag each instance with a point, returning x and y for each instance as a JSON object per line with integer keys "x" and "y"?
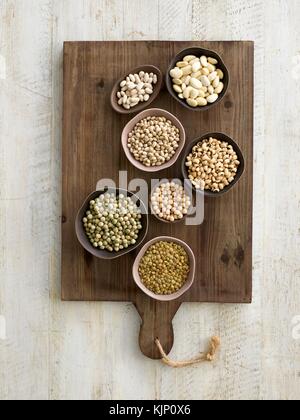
{"x": 92, "y": 151}
{"x": 87, "y": 350}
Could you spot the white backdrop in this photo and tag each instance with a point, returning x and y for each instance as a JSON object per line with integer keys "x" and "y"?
{"x": 61, "y": 350}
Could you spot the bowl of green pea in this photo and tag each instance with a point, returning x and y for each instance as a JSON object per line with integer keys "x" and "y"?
{"x": 111, "y": 223}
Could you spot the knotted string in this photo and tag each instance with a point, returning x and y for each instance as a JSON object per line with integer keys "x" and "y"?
{"x": 215, "y": 344}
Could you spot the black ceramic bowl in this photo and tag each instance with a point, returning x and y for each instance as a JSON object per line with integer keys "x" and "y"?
{"x": 84, "y": 240}
{"x": 222, "y": 137}
{"x": 198, "y": 52}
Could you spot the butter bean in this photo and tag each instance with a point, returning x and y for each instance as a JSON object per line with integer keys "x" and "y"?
{"x": 211, "y": 68}
{"x": 181, "y": 64}
{"x": 205, "y": 81}
{"x": 187, "y": 70}
{"x": 176, "y": 73}
{"x": 177, "y": 88}
{"x": 194, "y": 93}
{"x": 203, "y": 61}
{"x": 220, "y": 88}
{"x": 192, "y": 102}
{"x": 201, "y": 94}
{"x": 211, "y": 90}
{"x": 177, "y": 82}
{"x": 201, "y": 101}
{"x": 220, "y": 74}
{"x": 205, "y": 71}
{"x": 195, "y": 83}
{"x": 189, "y": 58}
{"x": 187, "y": 91}
{"x": 216, "y": 82}
{"x": 212, "y": 76}
{"x": 196, "y": 66}
{"x": 212, "y": 98}
{"x": 197, "y": 75}
{"x": 212, "y": 60}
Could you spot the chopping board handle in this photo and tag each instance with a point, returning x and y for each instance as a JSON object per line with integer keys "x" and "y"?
{"x": 156, "y": 324}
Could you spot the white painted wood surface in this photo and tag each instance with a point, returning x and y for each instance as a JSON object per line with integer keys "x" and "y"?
{"x": 56, "y": 350}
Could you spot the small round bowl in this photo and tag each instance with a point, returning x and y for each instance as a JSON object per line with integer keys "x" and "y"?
{"x": 187, "y": 285}
{"x": 161, "y": 182}
{"x": 142, "y": 105}
{"x": 198, "y": 52}
{"x": 83, "y": 239}
{"x": 221, "y": 137}
{"x": 154, "y": 112}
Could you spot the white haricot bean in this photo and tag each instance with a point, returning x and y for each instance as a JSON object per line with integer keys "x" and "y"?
{"x": 197, "y": 79}
{"x": 136, "y": 88}
{"x": 170, "y": 201}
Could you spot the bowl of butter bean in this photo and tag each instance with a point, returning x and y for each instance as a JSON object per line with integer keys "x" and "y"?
{"x": 197, "y": 78}
{"x": 213, "y": 163}
{"x": 111, "y": 223}
{"x": 165, "y": 268}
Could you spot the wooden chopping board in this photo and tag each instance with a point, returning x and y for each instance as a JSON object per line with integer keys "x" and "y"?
{"x": 92, "y": 151}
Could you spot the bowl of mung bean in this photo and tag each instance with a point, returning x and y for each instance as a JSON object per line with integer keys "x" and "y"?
{"x": 213, "y": 163}
{"x": 165, "y": 268}
{"x": 153, "y": 140}
{"x": 111, "y": 223}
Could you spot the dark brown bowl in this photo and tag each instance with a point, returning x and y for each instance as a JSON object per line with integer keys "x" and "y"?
{"x": 83, "y": 239}
{"x": 163, "y": 181}
{"x": 198, "y": 52}
{"x": 143, "y": 105}
{"x": 222, "y": 137}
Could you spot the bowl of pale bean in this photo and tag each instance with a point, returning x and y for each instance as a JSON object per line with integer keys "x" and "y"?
{"x": 197, "y": 78}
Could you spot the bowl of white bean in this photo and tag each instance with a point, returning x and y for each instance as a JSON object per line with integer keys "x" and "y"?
{"x": 153, "y": 140}
{"x": 169, "y": 202}
{"x": 136, "y": 89}
{"x": 111, "y": 223}
{"x": 197, "y": 78}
